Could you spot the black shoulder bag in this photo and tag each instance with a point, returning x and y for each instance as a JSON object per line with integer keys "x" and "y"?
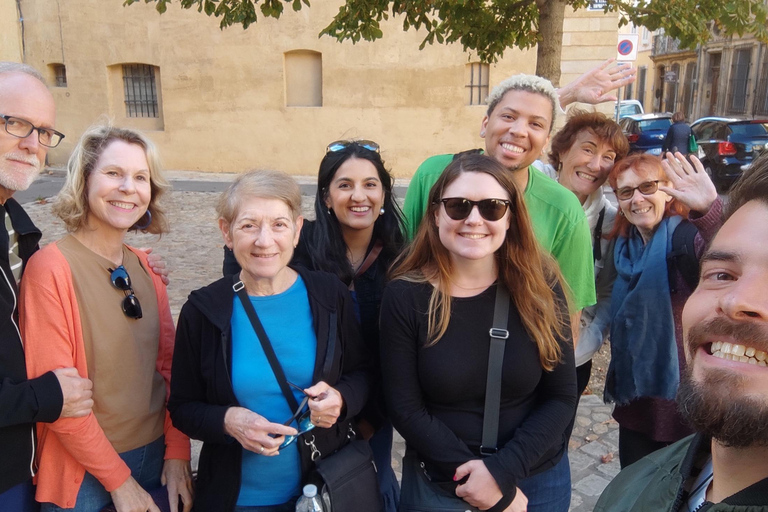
{"x": 348, "y": 475}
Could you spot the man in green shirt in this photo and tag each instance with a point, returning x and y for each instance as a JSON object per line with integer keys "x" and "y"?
{"x": 516, "y": 127}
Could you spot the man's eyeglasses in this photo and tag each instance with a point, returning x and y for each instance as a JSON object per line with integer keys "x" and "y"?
{"x": 122, "y": 281}
{"x": 21, "y": 128}
{"x": 459, "y": 208}
{"x": 340, "y": 145}
{"x": 301, "y": 417}
{"x": 646, "y": 188}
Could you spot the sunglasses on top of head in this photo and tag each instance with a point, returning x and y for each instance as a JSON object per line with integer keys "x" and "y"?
{"x": 122, "y": 281}
{"x": 459, "y": 208}
{"x": 341, "y": 145}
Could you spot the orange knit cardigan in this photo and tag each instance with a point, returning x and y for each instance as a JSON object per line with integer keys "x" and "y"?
{"x": 53, "y": 338}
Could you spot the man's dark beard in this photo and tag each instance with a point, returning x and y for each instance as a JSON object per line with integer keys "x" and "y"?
{"x": 716, "y": 407}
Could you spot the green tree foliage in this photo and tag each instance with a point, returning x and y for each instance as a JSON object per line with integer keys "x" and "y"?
{"x": 490, "y": 27}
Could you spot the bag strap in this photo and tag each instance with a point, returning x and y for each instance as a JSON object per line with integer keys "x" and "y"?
{"x": 369, "y": 259}
{"x": 499, "y": 335}
{"x": 683, "y": 255}
{"x": 597, "y": 250}
{"x": 266, "y": 345}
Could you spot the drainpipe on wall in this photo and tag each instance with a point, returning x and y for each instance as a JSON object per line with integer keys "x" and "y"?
{"x": 21, "y": 23}
{"x": 760, "y": 47}
{"x": 696, "y": 82}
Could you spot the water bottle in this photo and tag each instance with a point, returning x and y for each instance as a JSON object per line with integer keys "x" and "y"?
{"x": 310, "y": 501}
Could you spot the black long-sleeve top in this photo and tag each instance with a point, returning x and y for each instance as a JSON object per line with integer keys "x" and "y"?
{"x": 436, "y": 394}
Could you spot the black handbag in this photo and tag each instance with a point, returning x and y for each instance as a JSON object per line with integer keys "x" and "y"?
{"x": 345, "y": 477}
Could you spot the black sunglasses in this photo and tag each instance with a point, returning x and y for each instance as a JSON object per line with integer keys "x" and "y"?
{"x": 122, "y": 281}
{"x": 646, "y": 188}
{"x": 459, "y": 208}
{"x": 301, "y": 417}
{"x": 340, "y": 145}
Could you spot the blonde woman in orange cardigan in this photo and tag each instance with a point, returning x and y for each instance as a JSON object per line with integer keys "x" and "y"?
{"x": 90, "y": 301}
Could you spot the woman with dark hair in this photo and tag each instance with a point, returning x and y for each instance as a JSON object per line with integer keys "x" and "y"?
{"x": 438, "y": 309}
{"x": 678, "y": 135}
{"x": 661, "y": 203}
{"x": 583, "y": 153}
{"x": 356, "y": 236}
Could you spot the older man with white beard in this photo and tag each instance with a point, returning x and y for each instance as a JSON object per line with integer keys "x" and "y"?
{"x": 724, "y": 394}
{"x": 27, "y": 119}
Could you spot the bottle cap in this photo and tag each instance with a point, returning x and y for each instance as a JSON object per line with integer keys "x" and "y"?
{"x": 310, "y": 491}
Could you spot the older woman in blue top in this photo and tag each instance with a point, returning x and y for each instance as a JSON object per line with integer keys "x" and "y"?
{"x": 224, "y": 390}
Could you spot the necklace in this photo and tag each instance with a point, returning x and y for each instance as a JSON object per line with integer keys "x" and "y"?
{"x": 355, "y": 262}
{"x": 457, "y": 285}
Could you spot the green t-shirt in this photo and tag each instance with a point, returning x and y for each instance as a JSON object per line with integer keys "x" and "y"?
{"x": 558, "y": 222}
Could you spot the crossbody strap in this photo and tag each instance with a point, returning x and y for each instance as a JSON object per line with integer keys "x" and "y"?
{"x": 499, "y": 335}
{"x": 266, "y": 345}
{"x": 369, "y": 259}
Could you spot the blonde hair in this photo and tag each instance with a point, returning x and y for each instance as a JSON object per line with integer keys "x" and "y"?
{"x": 71, "y": 205}
{"x": 525, "y": 269}
{"x": 265, "y": 184}
{"x": 527, "y": 83}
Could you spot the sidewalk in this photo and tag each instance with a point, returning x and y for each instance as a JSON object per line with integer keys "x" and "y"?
{"x": 193, "y": 251}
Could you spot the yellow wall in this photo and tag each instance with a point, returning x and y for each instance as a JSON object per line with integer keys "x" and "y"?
{"x": 223, "y": 92}
{"x": 10, "y": 36}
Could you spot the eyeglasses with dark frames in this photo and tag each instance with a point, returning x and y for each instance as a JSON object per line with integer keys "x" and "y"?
{"x": 122, "y": 281}
{"x": 301, "y": 417}
{"x": 21, "y": 128}
{"x": 341, "y": 145}
{"x": 646, "y": 188}
{"x": 459, "y": 208}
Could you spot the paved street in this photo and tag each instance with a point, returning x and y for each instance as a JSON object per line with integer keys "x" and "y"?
{"x": 193, "y": 250}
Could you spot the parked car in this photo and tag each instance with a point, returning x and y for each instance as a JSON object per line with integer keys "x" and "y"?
{"x": 629, "y": 108}
{"x": 646, "y": 132}
{"x": 729, "y": 145}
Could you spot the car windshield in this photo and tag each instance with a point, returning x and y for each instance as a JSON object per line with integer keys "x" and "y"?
{"x": 629, "y": 110}
{"x": 750, "y": 129}
{"x": 655, "y": 124}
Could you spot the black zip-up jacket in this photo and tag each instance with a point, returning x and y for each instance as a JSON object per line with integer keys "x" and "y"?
{"x": 22, "y": 402}
{"x": 201, "y": 379}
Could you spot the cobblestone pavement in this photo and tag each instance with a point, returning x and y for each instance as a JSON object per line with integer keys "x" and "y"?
{"x": 193, "y": 252}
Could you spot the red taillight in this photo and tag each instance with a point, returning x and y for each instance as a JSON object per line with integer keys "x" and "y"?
{"x": 726, "y": 148}
{"x": 634, "y": 137}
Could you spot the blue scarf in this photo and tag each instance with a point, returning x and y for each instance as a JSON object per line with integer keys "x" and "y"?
{"x": 643, "y": 347}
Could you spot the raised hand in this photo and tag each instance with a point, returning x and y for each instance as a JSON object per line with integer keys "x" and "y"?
{"x": 595, "y": 85}
{"x": 691, "y": 185}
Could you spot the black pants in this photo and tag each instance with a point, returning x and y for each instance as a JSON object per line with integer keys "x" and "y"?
{"x": 583, "y": 373}
{"x": 633, "y": 446}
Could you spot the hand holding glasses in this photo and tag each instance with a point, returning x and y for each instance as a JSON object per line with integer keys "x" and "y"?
{"x": 324, "y": 405}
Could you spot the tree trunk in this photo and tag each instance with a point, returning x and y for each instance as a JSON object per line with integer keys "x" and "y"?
{"x": 549, "y": 49}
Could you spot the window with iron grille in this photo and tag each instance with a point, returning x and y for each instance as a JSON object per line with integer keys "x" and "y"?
{"x": 477, "y": 83}
{"x": 140, "y": 90}
{"x": 740, "y": 80}
{"x": 761, "y": 100}
{"x": 59, "y": 75}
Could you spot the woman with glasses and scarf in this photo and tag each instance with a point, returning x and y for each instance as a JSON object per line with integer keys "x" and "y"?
{"x": 91, "y": 301}
{"x": 436, "y": 315}
{"x": 668, "y": 211}
{"x": 257, "y": 448}
{"x": 356, "y": 236}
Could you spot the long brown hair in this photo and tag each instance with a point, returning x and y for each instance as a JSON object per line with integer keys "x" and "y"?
{"x": 525, "y": 269}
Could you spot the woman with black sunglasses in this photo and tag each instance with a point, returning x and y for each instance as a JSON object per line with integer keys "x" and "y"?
{"x": 92, "y": 302}
{"x": 356, "y": 236}
{"x": 436, "y": 316}
{"x": 668, "y": 211}
{"x": 262, "y": 431}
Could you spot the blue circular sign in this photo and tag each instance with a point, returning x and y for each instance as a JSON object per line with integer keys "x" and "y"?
{"x": 625, "y": 47}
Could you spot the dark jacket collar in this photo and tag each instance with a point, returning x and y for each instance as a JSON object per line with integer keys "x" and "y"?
{"x": 756, "y": 495}
{"x": 215, "y": 300}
